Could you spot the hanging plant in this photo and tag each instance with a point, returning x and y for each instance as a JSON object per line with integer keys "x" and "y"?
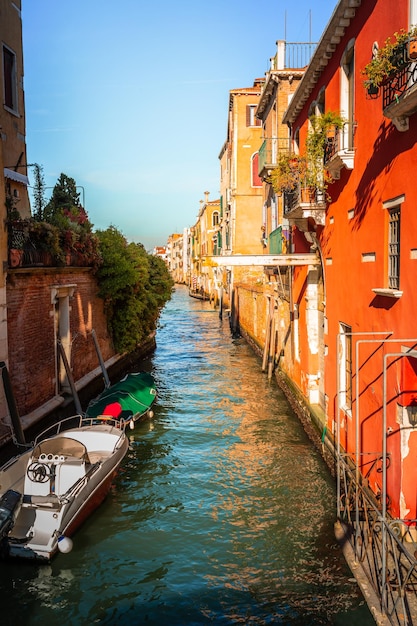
{"x": 322, "y": 129}
{"x": 307, "y": 171}
{"x": 390, "y": 58}
{"x": 289, "y": 171}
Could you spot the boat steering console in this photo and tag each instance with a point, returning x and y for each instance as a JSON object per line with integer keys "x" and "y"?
{"x": 44, "y": 468}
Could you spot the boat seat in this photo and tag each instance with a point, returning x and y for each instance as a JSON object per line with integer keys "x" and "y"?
{"x": 67, "y": 474}
{"x": 98, "y": 456}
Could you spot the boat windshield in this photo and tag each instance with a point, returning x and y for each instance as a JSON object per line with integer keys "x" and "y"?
{"x": 61, "y": 446}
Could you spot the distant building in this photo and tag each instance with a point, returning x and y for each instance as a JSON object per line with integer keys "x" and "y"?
{"x": 240, "y": 186}
{"x": 175, "y": 261}
{"x": 205, "y": 243}
{"x": 161, "y": 252}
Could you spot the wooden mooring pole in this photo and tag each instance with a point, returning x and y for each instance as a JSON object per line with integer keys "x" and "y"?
{"x": 74, "y": 393}
{"x": 100, "y": 358}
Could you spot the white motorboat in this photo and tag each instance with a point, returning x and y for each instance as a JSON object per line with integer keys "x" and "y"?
{"x": 47, "y": 492}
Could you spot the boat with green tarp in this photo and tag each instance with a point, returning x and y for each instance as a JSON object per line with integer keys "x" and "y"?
{"x": 130, "y": 399}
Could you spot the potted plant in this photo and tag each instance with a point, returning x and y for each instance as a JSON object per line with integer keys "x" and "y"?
{"x": 323, "y": 128}
{"x": 390, "y": 58}
{"x": 289, "y": 171}
{"x": 45, "y": 239}
{"x": 17, "y": 236}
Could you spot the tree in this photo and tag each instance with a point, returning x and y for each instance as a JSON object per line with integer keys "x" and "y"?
{"x": 64, "y": 197}
{"x": 134, "y": 287}
{"x": 39, "y": 193}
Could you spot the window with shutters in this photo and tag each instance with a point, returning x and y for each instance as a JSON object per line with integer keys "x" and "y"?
{"x": 394, "y": 248}
{"x": 251, "y": 119}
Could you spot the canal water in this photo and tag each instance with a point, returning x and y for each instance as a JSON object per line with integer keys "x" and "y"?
{"x": 222, "y": 512}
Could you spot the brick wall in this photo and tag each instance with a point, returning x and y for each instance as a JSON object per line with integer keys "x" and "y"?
{"x": 31, "y": 334}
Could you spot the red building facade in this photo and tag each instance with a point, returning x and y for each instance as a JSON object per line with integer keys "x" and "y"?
{"x": 366, "y": 235}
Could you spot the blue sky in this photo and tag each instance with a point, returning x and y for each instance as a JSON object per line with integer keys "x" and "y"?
{"x": 130, "y": 98}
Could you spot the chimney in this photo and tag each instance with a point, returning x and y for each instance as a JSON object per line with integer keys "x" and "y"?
{"x": 206, "y": 193}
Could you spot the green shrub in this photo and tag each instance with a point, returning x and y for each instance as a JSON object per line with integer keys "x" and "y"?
{"x": 134, "y": 286}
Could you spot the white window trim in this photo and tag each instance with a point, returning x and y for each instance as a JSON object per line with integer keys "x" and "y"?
{"x": 343, "y": 334}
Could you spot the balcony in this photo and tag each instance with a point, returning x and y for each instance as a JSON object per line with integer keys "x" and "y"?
{"x": 304, "y": 205}
{"x": 339, "y": 150}
{"x": 269, "y": 152}
{"x": 399, "y": 96}
{"x": 34, "y": 244}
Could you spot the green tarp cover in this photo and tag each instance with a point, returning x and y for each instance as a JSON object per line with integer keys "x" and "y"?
{"x": 129, "y": 398}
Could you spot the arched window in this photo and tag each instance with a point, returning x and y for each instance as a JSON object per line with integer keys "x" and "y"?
{"x": 256, "y": 181}
{"x": 215, "y": 218}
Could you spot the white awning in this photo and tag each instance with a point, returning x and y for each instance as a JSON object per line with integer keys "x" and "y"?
{"x": 18, "y": 178}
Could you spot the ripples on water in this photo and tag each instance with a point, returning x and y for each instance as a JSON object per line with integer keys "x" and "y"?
{"x": 222, "y": 513}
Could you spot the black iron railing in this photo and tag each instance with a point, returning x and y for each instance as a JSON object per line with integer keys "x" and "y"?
{"x": 399, "y": 84}
{"x": 384, "y": 547}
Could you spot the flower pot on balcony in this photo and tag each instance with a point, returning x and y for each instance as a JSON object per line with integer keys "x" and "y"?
{"x": 307, "y": 195}
{"x": 412, "y": 49}
{"x": 373, "y": 91}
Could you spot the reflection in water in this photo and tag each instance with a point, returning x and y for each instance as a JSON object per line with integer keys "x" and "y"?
{"x": 222, "y": 512}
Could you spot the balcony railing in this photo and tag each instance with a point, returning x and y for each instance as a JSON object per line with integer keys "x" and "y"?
{"x": 269, "y": 152}
{"x": 305, "y": 203}
{"x": 292, "y": 55}
{"x": 339, "y": 150}
{"x": 37, "y": 244}
{"x": 399, "y": 95}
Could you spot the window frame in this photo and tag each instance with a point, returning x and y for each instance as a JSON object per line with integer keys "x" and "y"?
{"x": 345, "y": 368}
{"x": 256, "y": 180}
{"x": 10, "y": 92}
{"x": 251, "y": 119}
{"x": 394, "y": 247}
{"x": 347, "y": 94}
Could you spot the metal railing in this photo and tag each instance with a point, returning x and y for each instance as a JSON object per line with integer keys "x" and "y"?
{"x": 293, "y": 55}
{"x": 303, "y": 195}
{"x": 398, "y": 85}
{"x": 384, "y": 547}
{"x": 270, "y": 150}
{"x": 341, "y": 139}
{"x": 298, "y": 55}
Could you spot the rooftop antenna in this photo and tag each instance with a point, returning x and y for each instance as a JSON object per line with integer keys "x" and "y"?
{"x": 285, "y": 25}
{"x": 310, "y": 40}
